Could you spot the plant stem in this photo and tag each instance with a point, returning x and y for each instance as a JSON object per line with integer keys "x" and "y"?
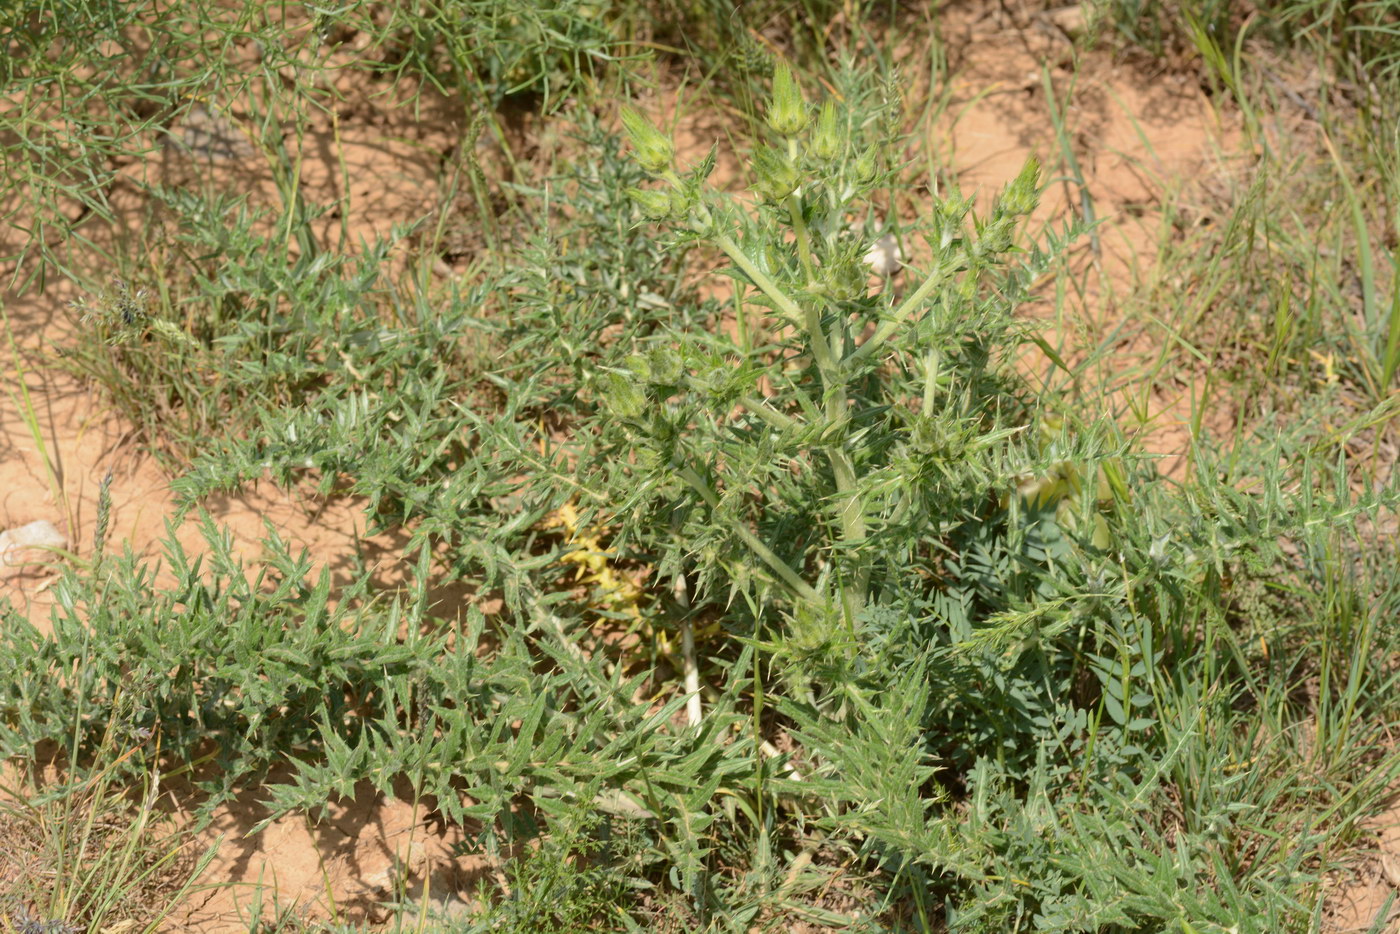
{"x": 691, "y": 672}
{"x": 834, "y": 388}
{"x": 689, "y": 669}
{"x": 931, "y": 365}
{"x": 804, "y": 240}
{"x": 779, "y": 567}
{"x": 905, "y": 309}
{"x": 771, "y": 415}
{"x": 852, "y": 528}
{"x": 809, "y": 318}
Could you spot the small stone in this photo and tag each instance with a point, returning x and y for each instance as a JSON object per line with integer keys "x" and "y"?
{"x": 1390, "y": 868}
{"x": 210, "y": 135}
{"x": 448, "y": 905}
{"x": 21, "y": 545}
{"x": 1070, "y": 20}
{"x": 884, "y": 258}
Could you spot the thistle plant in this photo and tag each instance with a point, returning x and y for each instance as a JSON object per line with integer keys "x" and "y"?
{"x": 831, "y": 460}
{"x": 981, "y": 678}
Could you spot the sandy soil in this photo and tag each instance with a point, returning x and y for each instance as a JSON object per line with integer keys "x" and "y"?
{"x": 1136, "y": 132}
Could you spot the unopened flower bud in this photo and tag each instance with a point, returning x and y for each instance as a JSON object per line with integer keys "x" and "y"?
{"x": 653, "y": 150}
{"x": 996, "y": 237}
{"x": 777, "y": 176}
{"x": 666, "y": 365}
{"x": 947, "y": 226}
{"x": 683, "y": 199}
{"x": 843, "y": 277}
{"x": 623, "y": 395}
{"x": 826, "y": 142}
{"x": 787, "y": 112}
{"x": 867, "y": 165}
{"x": 1022, "y": 194}
{"x": 641, "y": 366}
{"x": 654, "y": 204}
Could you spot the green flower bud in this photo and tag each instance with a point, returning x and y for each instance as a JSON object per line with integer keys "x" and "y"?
{"x": 867, "y": 165}
{"x": 653, "y": 150}
{"x": 826, "y": 141}
{"x": 666, "y": 365}
{"x": 777, "y": 176}
{"x": 996, "y": 237}
{"x": 648, "y": 460}
{"x": 683, "y": 200}
{"x": 1022, "y": 194}
{"x": 947, "y": 224}
{"x": 787, "y": 112}
{"x": 654, "y": 204}
{"x": 640, "y": 365}
{"x": 623, "y": 396}
{"x": 844, "y": 277}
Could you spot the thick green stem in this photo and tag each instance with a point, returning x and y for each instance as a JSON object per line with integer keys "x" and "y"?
{"x": 779, "y": 567}
{"x": 930, "y": 382}
{"x": 851, "y": 517}
{"x": 804, "y": 240}
{"x": 809, "y": 318}
{"x": 852, "y": 528}
{"x": 902, "y": 313}
{"x": 770, "y": 415}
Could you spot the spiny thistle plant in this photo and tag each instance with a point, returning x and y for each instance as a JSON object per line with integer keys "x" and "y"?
{"x": 926, "y": 584}
{"x": 832, "y": 465}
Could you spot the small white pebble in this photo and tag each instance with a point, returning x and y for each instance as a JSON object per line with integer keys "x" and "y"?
{"x": 884, "y": 258}
{"x": 38, "y": 534}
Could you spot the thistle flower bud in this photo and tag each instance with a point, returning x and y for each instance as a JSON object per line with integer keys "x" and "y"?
{"x": 641, "y": 366}
{"x": 843, "y": 277}
{"x": 666, "y": 365}
{"x": 996, "y": 237}
{"x": 684, "y": 198}
{"x": 654, "y": 204}
{"x": 787, "y": 112}
{"x": 826, "y": 141}
{"x": 777, "y": 176}
{"x": 867, "y": 165}
{"x": 947, "y": 226}
{"x": 653, "y": 150}
{"x": 1022, "y": 194}
{"x": 623, "y": 396}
